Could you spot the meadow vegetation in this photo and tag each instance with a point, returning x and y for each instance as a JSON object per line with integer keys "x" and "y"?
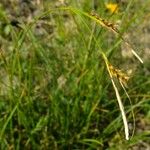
{"x": 62, "y": 66}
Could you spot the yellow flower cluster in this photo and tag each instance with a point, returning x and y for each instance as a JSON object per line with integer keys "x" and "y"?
{"x": 113, "y": 8}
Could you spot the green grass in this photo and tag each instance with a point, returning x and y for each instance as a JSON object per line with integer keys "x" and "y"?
{"x": 55, "y": 90}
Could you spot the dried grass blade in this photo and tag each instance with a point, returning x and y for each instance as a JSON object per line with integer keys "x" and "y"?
{"x": 119, "y": 100}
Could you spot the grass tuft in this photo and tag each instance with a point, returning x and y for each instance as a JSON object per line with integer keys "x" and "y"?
{"x": 59, "y": 77}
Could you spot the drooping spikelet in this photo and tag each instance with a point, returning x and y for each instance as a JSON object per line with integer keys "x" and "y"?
{"x": 113, "y": 28}
{"x": 117, "y": 73}
{"x": 105, "y": 23}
